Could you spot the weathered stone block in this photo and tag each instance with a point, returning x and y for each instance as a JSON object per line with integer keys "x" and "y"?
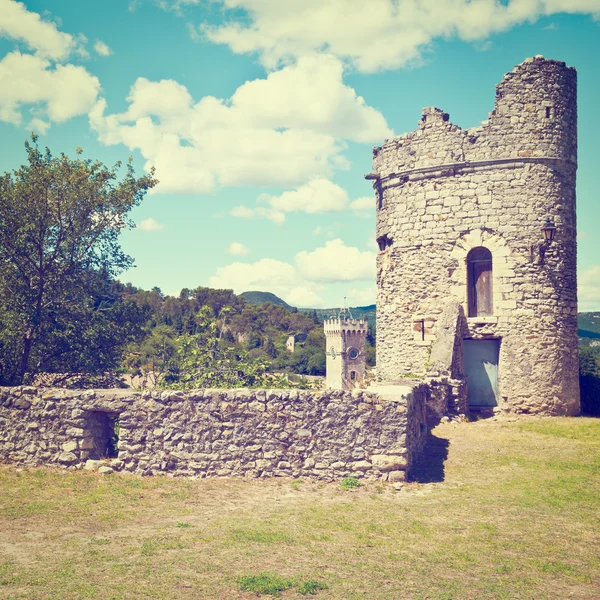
{"x": 385, "y": 462}
{"x": 67, "y": 458}
{"x": 22, "y": 403}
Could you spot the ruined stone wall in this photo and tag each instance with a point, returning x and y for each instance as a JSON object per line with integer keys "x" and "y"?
{"x": 251, "y": 433}
{"x": 441, "y": 192}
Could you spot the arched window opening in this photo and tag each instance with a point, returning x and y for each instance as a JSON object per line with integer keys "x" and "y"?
{"x": 353, "y": 375}
{"x": 479, "y": 282}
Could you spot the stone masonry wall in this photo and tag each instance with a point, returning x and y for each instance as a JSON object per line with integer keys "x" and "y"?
{"x": 251, "y": 433}
{"x": 442, "y": 191}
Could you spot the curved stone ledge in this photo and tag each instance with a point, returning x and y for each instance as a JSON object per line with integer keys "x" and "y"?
{"x": 444, "y": 170}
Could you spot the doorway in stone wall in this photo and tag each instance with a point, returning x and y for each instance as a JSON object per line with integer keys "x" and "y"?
{"x": 481, "y": 369}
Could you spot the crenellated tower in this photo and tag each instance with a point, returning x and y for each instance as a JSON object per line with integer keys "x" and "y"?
{"x": 345, "y": 351}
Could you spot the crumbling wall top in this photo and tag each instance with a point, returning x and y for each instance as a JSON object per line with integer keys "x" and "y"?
{"x": 534, "y": 116}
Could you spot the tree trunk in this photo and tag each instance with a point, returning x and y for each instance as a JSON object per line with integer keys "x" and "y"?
{"x": 27, "y": 344}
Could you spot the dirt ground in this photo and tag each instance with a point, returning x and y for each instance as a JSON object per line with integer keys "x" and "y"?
{"x": 498, "y": 509}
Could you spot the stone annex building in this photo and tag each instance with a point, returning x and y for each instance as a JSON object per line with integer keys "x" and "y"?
{"x": 476, "y": 271}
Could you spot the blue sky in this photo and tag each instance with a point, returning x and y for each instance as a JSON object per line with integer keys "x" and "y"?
{"x": 260, "y": 115}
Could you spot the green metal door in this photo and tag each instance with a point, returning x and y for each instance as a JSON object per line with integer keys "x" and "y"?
{"x": 481, "y": 369}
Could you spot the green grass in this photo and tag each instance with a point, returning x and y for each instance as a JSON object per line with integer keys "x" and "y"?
{"x": 515, "y": 515}
{"x": 272, "y": 585}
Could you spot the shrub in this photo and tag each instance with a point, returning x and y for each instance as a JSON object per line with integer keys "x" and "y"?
{"x": 349, "y": 483}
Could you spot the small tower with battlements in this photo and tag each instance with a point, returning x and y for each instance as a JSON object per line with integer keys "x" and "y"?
{"x": 346, "y": 338}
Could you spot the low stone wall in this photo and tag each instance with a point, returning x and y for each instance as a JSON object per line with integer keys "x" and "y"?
{"x": 202, "y": 433}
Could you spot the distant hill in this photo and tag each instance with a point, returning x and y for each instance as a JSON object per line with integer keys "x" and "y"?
{"x": 588, "y": 324}
{"x": 259, "y": 298}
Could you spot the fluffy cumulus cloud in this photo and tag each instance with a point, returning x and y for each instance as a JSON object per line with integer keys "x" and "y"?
{"x": 336, "y": 262}
{"x": 65, "y": 91}
{"x": 51, "y": 90}
{"x": 19, "y": 24}
{"x": 268, "y": 274}
{"x": 236, "y": 249}
{"x": 301, "y": 283}
{"x": 362, "y": 297}
{"x": 102, "y": 48}
{"x": 373, "y": 35}
{"x": 589, "y": 289}
{"x": 260, "y": 212}
{"x": 150, "y": 224}
{"x": 316, "y": 196}
{"x": 364, "y": 206}
{"x": 285, "y": 129}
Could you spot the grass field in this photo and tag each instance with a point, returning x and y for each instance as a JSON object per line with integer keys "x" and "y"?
{"x": 500, "y": 510}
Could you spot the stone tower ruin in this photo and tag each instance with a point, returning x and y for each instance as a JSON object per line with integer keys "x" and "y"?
{"x": 345, "y": 351}
{"x": 476, "y": 270}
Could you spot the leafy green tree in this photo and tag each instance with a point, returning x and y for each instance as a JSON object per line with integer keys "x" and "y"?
{"x": 154, "y": 357}
{"x": 60, "y": 220}
{"x": 205, "y": 360}
{"x": 588, "y": 363}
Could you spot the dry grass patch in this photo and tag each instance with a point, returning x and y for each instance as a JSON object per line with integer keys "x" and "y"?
{"x": 501, "y": 510}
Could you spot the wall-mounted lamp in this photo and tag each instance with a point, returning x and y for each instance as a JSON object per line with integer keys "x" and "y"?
{"x": 549, "y": 230}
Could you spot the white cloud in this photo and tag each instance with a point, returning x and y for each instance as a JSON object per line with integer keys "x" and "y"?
{"x": 236, "y": 249}
{"x": 17, "y": 23}
{"x": 336, "y": 262}
{"x": 311, "y": 94}
{"x": 38, "y": 126}
{"x": 244, "y": 212}
{"x": 275, "y": 276}
{"x": 102, "y": 49}
{"x": 150, "y": 225}
{"x": 589, "y": 289}
{"x": 362, "y": 296}
{"x": 315, "y": 197}
{"x": 373, "y": 35}
{"x": 52, "y": 91}
{"x": 62, "y": 92}
{"x": 282, "y": 130}
{"x": 363, "y": 206}
{"x": 301, "y": 283}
